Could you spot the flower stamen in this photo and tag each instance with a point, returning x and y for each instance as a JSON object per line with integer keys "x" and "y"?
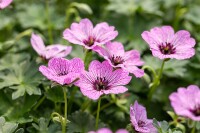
{"x": 116, "y": 60}
{"x": 167, "y": 48}
{"x": 101, "y": 84}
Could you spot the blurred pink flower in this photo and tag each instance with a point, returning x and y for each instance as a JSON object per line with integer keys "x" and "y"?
{"x": 118, "y": 58}
{"x": 139, "y": 119}
{"x": 186, "y": 102}
{"x": 85, "y": 34}
{"x": 5, "y": 3}
{"x": 164, "y": 43}
{"x": 107, "y": 130}
{"x": 101, "y": 79}
{"x": 63, "y": 71}
{"x": 50, "y": 51}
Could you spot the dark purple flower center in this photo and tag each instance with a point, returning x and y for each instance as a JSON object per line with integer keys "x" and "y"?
{"x": 101, "y": 84}
{"x": 196, "y": 110}
{"x": 62, "y": 73}
{"x": 141, "y": 123}
{"x": 90, "y": 41}
{"x": 167, "y": 48}
{"x": 116, "y": 60}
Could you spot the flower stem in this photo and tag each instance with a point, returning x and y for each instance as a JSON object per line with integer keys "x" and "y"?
{"x": 98, "y": 110}
{"x": 49, "y": 23}
{"x": 194, "y": 128}
{"x": 156, "y": 80}
{"x": 39, "y": 102}
{"x": 85, "y": 104}
{"x": 103, "y": 107}
{"x": 161, "y": 69}
{"x": 64, "y": 124}
{"x": 71, "y": 99}
{"x": 87, "y": 57}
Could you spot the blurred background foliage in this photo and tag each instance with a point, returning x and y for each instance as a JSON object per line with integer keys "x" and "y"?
{"x": 22, "y": 86}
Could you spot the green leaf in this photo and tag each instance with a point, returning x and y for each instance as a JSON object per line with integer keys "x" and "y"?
{"x": 82, "y": 7}
{"x": 197, "y": 125}
{"x": 81, "y": 122}
{"x": 10, "y": 61}
{"x": 125, "y": 7}
{"x": 31, "y": 16}
{"x": 21, "y": 130}
{"x": 16, "y": 110}
{"x": 7, "y": 127}
{"x": 193, "y": 14}
{"x": 42, "y": 126}
{"x": 55, "y": 94}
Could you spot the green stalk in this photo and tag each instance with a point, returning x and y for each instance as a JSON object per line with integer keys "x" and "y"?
{"x": 39, "y": 102}
{"x": 104, "y": 106}
{"x": 85, "y": 104}
{"x": 71, "y": 99}
{"x": 156, "y": 81}
{"x": 49, "y": 23}
{"x": 98, "y": 110}
{"x": 64, "y": 124}
{"x": 194, "y": 128}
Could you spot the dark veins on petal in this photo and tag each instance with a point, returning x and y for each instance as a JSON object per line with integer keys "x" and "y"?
{"x": 196, "y": 110}
{"x": 116, "y": 60}
{"x": 167, "y": 48}
{"x": 90, "y": 41}
{"x": 101, "y": 84}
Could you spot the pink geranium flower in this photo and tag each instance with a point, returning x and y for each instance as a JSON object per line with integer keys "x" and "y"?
{"x": 51, "y": 51}
{"x": 186, "y": 102}
{"x": 139, "y": 119}
{"x": 63, "y": 71}
{"x": 118, "y": 58}
{"x": 164, "y": 43}
{"x": 107, "y": 130}
{"x": 85, "y": 34}
{"x": 101, "y": 79}
{"x": 5, "y": 3}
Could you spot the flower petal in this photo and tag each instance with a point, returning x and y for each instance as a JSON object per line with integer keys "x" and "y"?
{"x": 37, "y": 44}
{"x": 116, "y": 90}
{"x": 57, "y": 50}
{"x": 5, "y": 3}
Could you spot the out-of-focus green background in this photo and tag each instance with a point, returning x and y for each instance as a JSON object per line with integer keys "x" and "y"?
{"x": 49, "y": 18}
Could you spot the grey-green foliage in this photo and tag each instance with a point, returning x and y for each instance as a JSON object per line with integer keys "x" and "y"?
{"x": 163, "y": 127}
{"x": 7, "y": 127}
{"x": 21, "y": 75}
{"x": 43, "y": 125}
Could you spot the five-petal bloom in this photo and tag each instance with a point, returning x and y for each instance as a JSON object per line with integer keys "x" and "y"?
{"x": 107, "y": 130}
{"x": 101, "y": 79}
{"x": 5, "y": 3}
{"x": 118, "y": 58}
{"x": 164, "y": 43}
{"x": 63, "y": 71}
{"x": 139, "y": 119}
{"x": 186, "y": 102}
{"x": 51, "y": 51}
{"x": 85, "y": 34}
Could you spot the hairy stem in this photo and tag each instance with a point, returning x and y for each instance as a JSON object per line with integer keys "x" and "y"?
{"x": 39, "y": 102}
{"x": 50, "y": 35}
{"x": 156, "y": 81}
{"x": 98, "y": 110}
{"x": 65, "y": 112}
